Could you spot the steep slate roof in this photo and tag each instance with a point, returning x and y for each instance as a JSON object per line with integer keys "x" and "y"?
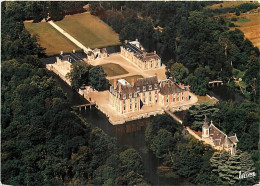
{"x": 141, "y": 82}
{"x": 218, "y": 137}
{"x": 139, "y": 51}
{"x": 71, "y": 57}
{"x": 233, "y": 139}
{"x": 169, "y": 87}
{"x": 126, "y": 89}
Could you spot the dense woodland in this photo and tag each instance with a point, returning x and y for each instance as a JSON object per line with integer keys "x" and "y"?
{"x": 191, "y": 35}
{"x": 43, "y": 141}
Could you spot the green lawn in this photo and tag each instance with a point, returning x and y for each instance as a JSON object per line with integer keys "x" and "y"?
{"x": 128, "y": 78}
{"x": 50, "y": 38}
{"x": 89, "y": 30}
{"x": 242, "y": 20}
{"x": 112, "y": 69}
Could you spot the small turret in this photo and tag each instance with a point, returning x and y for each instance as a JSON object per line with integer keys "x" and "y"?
{"x": 205, "y": 129}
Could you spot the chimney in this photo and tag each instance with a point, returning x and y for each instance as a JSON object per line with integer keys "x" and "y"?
{"x": 61, "y": 52}
{"x": 125, "y": 41}
{"x": 132, "y": 81}
{"x": 119, "y": 87}
{"x": 114, "y": 83}
{"x": 154, "y": 51}
{"x": 136, "y": 40}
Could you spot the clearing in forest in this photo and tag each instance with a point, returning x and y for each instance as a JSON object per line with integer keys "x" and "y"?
{"x": 250, "y": 25}
{"x": 227, "y": 4}
{"x": 89, "y": 30}
{"x": 50, "y": 38}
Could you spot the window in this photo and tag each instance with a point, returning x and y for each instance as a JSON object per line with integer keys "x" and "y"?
{"x": 138, "y": 89}
{"x": 144, "y": 94}
{"x": 124, "y": 107}
{"x": 150, "y": 87}
{"x": 182, "y": 93}
{"x": 173, "y": 99}
{"x": 135, "y": 99}
{"x": 123, "y": 101}
{"x": 167, "y": 100}
{"x": 130, "y": 106}
{"x": 144, "y": 88}
{"x": 150, "y": 98}
{"x": 144, "y": 100}
{"x": 124, "y": 96}
{"x": 155, "y": 86}
{"x": 178, "y": 94}
{"x": 177, "y": 98}
{"x": 135, "y": 95}
{"x": 135, "y": 105}
{"x": 130, "y": 95}
{"x": 150, "y": 93}
{"x": 182, "y": 98}
{"x": 130, "y": 100}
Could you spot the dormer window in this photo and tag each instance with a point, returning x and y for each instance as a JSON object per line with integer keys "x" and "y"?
{"x": 130, "y": 95}
{"x": 150, "y": 87}
{"x": 144, "y": 88}
{"x": 155, "y": 86}
{"x": 124, "y": 96}
{"x": 138, "y": 89}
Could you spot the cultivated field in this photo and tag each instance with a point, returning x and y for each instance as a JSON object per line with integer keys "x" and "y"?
{"x": 250, "y": 25}
{"x": 227, "y": 4}
{"x": 50, "y": 38}
{"x": 112, "y": 69}
{"x": 89, "y": 30}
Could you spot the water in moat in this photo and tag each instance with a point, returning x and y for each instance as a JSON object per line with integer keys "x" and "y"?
{"x": 129, "y": 135}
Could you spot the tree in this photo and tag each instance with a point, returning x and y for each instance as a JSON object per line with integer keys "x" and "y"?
{"x": 228, "y": 167}
{"x": 198, "y": 82}
{"x": 162, "y": 144}
{"x": 131, "y": 161}
{"x": 79, "y": 74}
{"x": 97, "y": 78}
{"x": 179, "y": 72}
{"x": 160, "y": 122}
{"x": 196, "y": 114}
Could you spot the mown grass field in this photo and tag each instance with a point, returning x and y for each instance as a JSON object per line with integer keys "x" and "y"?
{"x": 250, "y": 25}
{"x": 227, "y": 4}
{"x": 49, "y": 38}
{"x": 112, "y": 69}
{"x": 127, "y": 78}
{"x": 89, "y": 30}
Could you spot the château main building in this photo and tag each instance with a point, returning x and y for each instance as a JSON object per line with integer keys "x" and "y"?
{"x": 136, "y": 53}
{"x": 126, "y": 97}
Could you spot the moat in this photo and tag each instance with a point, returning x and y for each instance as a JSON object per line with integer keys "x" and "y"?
{"x": 131, "y": 134}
